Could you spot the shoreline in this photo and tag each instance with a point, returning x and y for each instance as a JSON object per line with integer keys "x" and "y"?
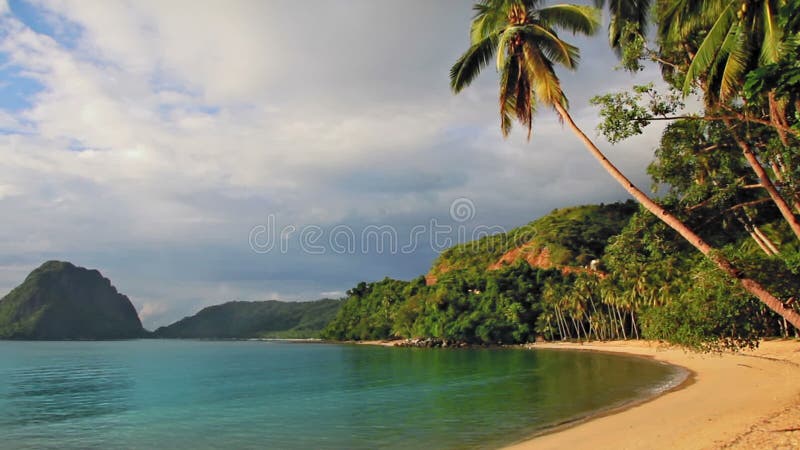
{"x": 684, "y": 378}
{"x": 749, "y": 399}
{"x": 730, "y": 400}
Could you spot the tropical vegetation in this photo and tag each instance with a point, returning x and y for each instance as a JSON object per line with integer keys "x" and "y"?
{"x": 642, "y": 282}
{"x": 716, "y": 42}
{"x": 725, "y": 182}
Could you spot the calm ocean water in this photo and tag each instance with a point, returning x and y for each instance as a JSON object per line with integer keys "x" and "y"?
{"x": 152, "y": 394}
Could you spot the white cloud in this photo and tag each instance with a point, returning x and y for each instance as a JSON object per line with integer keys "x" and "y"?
{"x": 163, "y": 126}
{"x": 150, "y": 309}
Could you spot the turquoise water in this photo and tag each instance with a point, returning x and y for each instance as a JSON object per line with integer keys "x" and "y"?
{"x": 153, "y": 394}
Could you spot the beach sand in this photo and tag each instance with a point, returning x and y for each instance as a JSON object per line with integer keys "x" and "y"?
{"x": 746, "y": 400}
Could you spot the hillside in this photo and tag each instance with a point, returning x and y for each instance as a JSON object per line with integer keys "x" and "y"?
{"x": 486, "y": 291}
{"x": 240, "y": 320}
{"x": 565, "y": 238}
{"x": 59, "y": 300}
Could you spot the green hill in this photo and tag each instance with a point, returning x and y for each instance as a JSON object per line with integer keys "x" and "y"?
{"x": 265, "y": 319}
{"x": 62, "y": 301}
{"x": 486, "y": 291}
{"x": 568, "y": 237}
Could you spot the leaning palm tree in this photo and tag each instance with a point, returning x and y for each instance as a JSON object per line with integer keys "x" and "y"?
{"x": 524, "y": 39}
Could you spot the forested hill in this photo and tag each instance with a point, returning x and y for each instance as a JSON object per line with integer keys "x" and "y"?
{"x": 487, "y": 291}
{"x": 568, "y": 237}
{"x": 264, "y": 319}
{"x": 59, "y": 300}
{"x": 539, "y": 281}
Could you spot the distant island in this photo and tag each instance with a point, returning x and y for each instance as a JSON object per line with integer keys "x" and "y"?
{"x": 265, "y": 319}
{"x": 59, "y": 300}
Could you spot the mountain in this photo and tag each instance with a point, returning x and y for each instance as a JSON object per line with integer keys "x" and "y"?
{"x": 242, "y": 320}
{"x": 59, "y": 300}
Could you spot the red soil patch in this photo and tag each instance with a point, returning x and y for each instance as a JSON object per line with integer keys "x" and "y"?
{"x": 534, "y": 256}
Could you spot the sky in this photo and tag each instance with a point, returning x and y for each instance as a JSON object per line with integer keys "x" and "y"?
{"x": 197, "y": 152}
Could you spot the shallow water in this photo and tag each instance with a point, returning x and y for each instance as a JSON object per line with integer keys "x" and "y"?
{"x": 243, "y": 394}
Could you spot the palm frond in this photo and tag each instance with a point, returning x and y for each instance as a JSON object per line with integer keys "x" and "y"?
{"x": 573, "y": 18}
{"x": 553, "y": 47}
{"x": 735, "y": 53}
{"x": 772, "y": 35}
{"x": 524, "y": 102}
{"x": 487, "y": 20}
{"x": 503, "y": 47}
{"x": 678, "y": 19}
{"x": 509, "y": 78}
{"x": 709, "y": 49}
{"x": 544, "y": 80}
{"x": 470, "y": 64}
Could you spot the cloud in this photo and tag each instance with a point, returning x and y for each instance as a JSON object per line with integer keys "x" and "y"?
{"x": 155, "y": 140}
{"x": 150, "y": 309}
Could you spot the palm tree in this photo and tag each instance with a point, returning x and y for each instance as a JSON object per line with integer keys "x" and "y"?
{"x": 527, "y": 47}
{"x": 736, "y": 36}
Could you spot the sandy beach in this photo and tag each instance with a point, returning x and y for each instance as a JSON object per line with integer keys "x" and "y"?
{"x": 744, "y": 400}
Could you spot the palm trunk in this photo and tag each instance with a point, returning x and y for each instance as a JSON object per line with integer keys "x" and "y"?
{"x": 766, "y": 182}
{"x": 760, "y": 243}
{"x": 561, "y": 328}
{"x": 750, "y": 228}
{"x": 622, "y": 324}
{"x": 633, "y": 325}
{"x": 767, "y": 241}
{"x": 575, "y": 324}
{"x": 752, "y": 286}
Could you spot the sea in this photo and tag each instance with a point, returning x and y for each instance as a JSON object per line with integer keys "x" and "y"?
{"x": 197, "y": 394}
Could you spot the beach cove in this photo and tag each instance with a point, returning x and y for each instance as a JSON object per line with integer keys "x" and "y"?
{"x": 744, "y": 400}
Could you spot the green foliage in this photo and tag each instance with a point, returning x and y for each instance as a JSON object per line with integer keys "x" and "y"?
{"x": 571, "y": 235}
{"x": 464, "y": 306}
{"x": 632, "y": 48}
{"x": 781, "y": 77}
{"x": 726, "y": 40}
{"x": 710, "y": 314}
{"x": 469, "y": 302}
{"x": 61, "y": 301}
{"x": 368, "y": 311}
{"x": 626, "y": 114}
{"x": 629, "y": 20}
{"x": 241, "y": 320}
{"x": 683, "y": 298}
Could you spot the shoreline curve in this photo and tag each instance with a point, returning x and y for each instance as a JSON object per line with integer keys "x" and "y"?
{"x": 749, "y": 399}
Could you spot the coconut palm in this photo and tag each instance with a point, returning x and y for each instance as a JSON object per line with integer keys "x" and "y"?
{"x": 526, "y": 44}
{"x": 737, "y": 36}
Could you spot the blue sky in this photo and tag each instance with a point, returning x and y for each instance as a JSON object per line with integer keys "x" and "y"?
{"x": 150, "y": 144}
